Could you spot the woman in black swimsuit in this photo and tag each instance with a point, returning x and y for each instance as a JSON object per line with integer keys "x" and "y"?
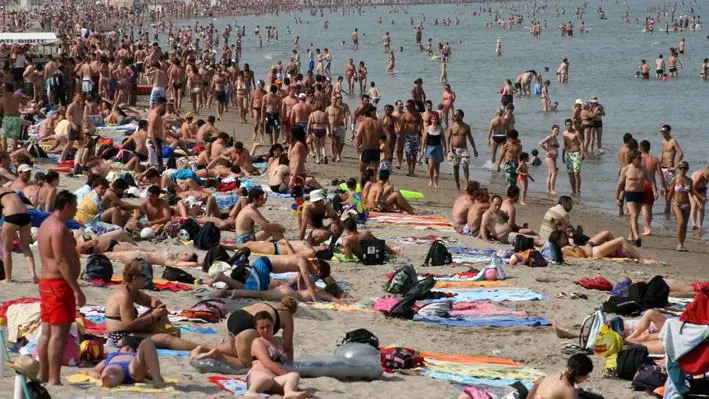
{"x": 16, "y": 220}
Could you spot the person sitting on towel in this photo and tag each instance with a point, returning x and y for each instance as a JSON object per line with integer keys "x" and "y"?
{"x": 562, "y": 384}
{"x": 352, "y": 239}
{"x": 129, "y": 365}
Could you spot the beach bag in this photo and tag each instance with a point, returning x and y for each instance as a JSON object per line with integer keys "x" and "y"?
{"x": 179, "y": 275}
{"x": 522, "y": 243}
{"x": 583, "y": 394}
{"x": 98, "y": 267}
{"x": 148, "y": 272}
{"x": 435, "y": 309}
{"x": 209, "y": 310}
{"x": 656, "y": 294}
{"x": 401, "y": 281}
{"x": 697, "y": 312}
{"x": 648, "y": 378}
{"x": 215, "y": 254}
{"x": 191, "y": 227}
{"x": 207, "y": 237}
{"x": 36, "y": 391}
{"x": 438, "y": 255}
{"x": 630, "y": 359}
{"x": 589, "y": 329}
{"x": 405, "y": 308}
{"x": 35, "y": 150}
{"x": 362, "y": 336}
{"x": 373, "y": 251}
{"x": 608, "y": 343}
{"x": 400, "y": 358}
{"x": 621, "y": 305}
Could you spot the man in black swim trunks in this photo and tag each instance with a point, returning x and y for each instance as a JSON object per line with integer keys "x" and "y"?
{"x": 312, "y": 216}
{"x": 367, "y": 141}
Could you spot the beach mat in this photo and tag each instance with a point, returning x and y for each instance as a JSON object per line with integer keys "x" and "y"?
{"x": 423, "y": 240}
{"x": 160, "y": 285}
{"x": 415, "y": 221}
{"x": 471, "y": 373}
{"x": 502, "y": 294}
{"x": 141, "y": 387}
{"x": 484, "y": 321}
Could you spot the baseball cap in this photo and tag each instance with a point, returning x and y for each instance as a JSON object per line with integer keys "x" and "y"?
{"x": 302, "y": 96}
{"x": 579, "y": 101}
{"x": 24, "y": 168}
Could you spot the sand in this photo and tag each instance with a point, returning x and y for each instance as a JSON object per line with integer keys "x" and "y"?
{"x": 318, "y": 331}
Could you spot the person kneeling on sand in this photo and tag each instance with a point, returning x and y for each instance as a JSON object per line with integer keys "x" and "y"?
{"x": 267, "y": 374}
{"x": 129, "y": 365}
{"x": 562, "y": 384}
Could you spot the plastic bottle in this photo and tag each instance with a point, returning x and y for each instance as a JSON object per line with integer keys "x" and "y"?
{"x": 3, "y": 335}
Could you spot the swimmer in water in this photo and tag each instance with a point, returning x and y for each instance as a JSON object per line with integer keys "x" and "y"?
{"x": 498, "y": 48}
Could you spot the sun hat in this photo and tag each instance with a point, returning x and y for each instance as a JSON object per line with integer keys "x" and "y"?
{"x": 27, "y": 366}
{"x": 24, "y": 168}
{"x": 317, "y": 195}
{"x": 579, "y": 101}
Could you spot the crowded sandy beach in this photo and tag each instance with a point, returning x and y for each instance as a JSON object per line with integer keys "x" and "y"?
{"x": 265, "y": 200}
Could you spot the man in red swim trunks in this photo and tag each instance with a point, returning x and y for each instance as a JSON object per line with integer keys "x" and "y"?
{"x": 58, "y": 288}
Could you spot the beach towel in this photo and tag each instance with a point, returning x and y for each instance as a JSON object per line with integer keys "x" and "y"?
{"x": 415, "y": 221}
{"x": 160, "y": 285}
{"x": 468, "y": 380}
{"x": 233, "y": 385}
{"x": 469, "y": 284}
{"x": 423, "y": 240}
{"x": 341, "y": 307}
{"x": 484, "y": 321}
{"x": 483, "y": 309}
{"x": 596, "y": 283}
{"x": 467, "y": 359}
{"x": 8, "y": 303}
{"x": 173, "y": 353}
{"x": 85, "y": 379}
{"x": 197, "y": 330}
{"x": 492, "y": 371}
{"x": 489, "y": 294}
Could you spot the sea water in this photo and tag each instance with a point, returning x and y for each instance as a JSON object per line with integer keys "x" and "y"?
{"x": 603, "y": 62}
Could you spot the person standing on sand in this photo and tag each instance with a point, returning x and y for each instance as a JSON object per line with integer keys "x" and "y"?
{"x": 550, "y": 144}
{"x": 631, "y": 186}
{"x": 367, "y": 141}
{"x": 572, "y": 156}
{"x": 411, "y": 127}
{"x": 680, "y": 189}
{"x": 458, "y": 135}
{"x": 700, "y": 179}
{"x": 670, "y": 150}
{"x": 11, "y": 123}
{"x": 496, "y": 134}
{"x": 510, "y": 157}
{"x": 58, "y": 288}
{"x": 337, "y": 126}
{"x": 652, "y": 165}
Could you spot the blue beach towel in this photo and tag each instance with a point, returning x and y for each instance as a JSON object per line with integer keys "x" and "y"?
{"x": 467, "y": 380}
{"x": 484, "y": 321}
{"x": 489, "y": 294}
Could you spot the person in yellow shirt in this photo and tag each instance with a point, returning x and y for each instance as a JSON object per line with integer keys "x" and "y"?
{"x": 90, "y": 206}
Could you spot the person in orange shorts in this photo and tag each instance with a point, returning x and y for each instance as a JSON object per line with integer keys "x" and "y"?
{"x": 58, "y": 287}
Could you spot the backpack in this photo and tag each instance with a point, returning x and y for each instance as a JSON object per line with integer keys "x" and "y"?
{"x": 589, "y": 329}
{"x": 656, "y": 294}
{"x": 191, "y": 227}
{"x": 373, "y": 251}
{"x": 438, "y": 255}
{"x": 402, "y": 280}
{"x": 361, "y": 336}
{"x": 98, "y": 267}
{"x": 148, "y": 272}
{"x": 621, "y": 305}
{"x": 176, "y": 274}
{"x": 36, "y": 150}
{"x": 36, "y": 391}
{"x": 209, "y": 310}
{"x": 522, "y": 243}
{"x": 405, "y": 308}
{"x": 215, "y": 254}
{"x": 57, "y": 81}
{"x": 630, "y": 359}
{"x": 400, "y": 358}
{"x": 207, "y": 237}
{"x": 697, "y": 312}
{"x": 648, "y": 378}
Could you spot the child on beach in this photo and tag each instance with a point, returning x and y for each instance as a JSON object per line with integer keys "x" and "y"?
{"x": 536, "y": 161}
{"x": 523, "y": 177}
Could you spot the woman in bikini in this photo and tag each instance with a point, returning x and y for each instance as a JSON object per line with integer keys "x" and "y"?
{"x": 128, "y": 365}
{"x": 700, "y": 179}
{"x": 602, "y": 245}
{"x": 562, "y": 384}
{"x": 242, "y": 96}
{"x": 362, "y": 75}
{"x": 194, "y": 84}
{"x": 550, "y": 144}
{"x": 18, "y": 223}
{"x": 267, "y": 374}
{"x": 681, "y": 187}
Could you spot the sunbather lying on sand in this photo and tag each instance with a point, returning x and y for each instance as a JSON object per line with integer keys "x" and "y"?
{"x": 644, "y": 331}
{"x": 602, "y": 245}
{"x": 129, "y": 365}
{"x": 280, "y": 247}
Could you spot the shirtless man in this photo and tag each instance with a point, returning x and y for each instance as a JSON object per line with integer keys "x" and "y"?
{"x": 317, "y": 129}
{"x": 672, "y": 64}
{"x": 59, "y": 289}
{"x": 631, "y": 185}
{"x": 256, "y": 102}
{"x": 311, "y": 224}
{"x": 660, "y": 67}
{"x": 337, "y": 115}
{"x": 510, "y": 157}
{"x": 367, "y": 141}
{"x": 458, "y": 135}
{"x": 587, "y": 116}
{"x": 352, "y": 239}
{"x": 205, "y": 132}
{"x": 700, "y": 179}
{"x": 250, "y": 216}
{"x": 496, "y": 134}
{"x": 75, "y": 116}
{"x": 572, "y": 156}
{"x": 158, "y": 211}
{"x": 495, "y": 226}
{"x": 652, "y": 165}
{"x": 411, "y": 126}
{"x": 158, "y": 78}
{"x": 562, "y": 72}
{"x": 155, "y": 134}
{"x": 468, "y": 209}
{"x": 301, "y": 112}
{"x": 383, "y": 196}
{"x": 11, "y": 123}
{"x": 139, "y": 139}
{"x": 286, "y": 111}
{"x": 418, "y": 95}
{"x": 297, "y": 155}
{"x": 355, "y": 39}
{"x": 670, "y": 151}
{"x": 644, "y": 70}
{"x": 116, "y": 211}
{"x": 271, "y": 111}
{"x": 218, "y": 90}
{"x": 176, "y": 81}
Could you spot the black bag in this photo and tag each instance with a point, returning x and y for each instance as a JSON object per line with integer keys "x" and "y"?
{"x": 98, "y": 267}
{"x": 373, "y": 251}
{"x": 630, "y": 359}
{"x": 361, "y": 336}
{"x": 35, "y": 150}
{"x": 648, "y": 378}
{"x": 107, "y": 152}
{"x": 438, "y": 255}
{"x": 656, "y": 294}
{"x": 215, "y": 254}
{"x": 37, "y": 391}
{"x": 179, "y": 275}
{"x": 587, "y": 394}
{"x": 405, "y": 308}
{"x": 522, "y": 243}
{"x": 148, "y": 272}
{"x": 621, "y": 305}
{"x": 402, "y": 280}
{"x": 208, "y": 237}
{"x": 191, "y": 227}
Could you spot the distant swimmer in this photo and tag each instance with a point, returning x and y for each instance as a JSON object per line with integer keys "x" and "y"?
{"x": 387, "y": 42}
{"x": 644, "y": 70}
{"x": 562, "y": 72}
{"x": 444, "y": 73}
{"x": 498, "y": 48}
{"x": 704, "y": 69}
{"x": 680, "y": 46}
{"x": 660, "y": 66}
{"x": 355, "y": 39}
{"x": 672, "y": 63}
{"x": 392, "y": 62}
